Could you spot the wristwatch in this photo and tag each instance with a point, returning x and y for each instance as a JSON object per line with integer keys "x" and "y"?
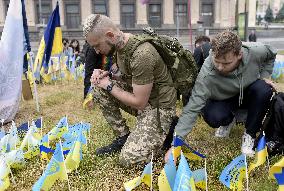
{"x": 109, "y": 87}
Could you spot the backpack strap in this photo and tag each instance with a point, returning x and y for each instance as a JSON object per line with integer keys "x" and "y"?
{"x": 269, "y": 112}
{"x": 138, "y": 40}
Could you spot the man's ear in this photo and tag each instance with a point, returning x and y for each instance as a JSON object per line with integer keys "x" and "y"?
{"x": 110, "y": 35}
{"x": 240, "y": 56}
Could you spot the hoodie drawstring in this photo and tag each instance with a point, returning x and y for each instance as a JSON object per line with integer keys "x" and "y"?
{"x": 241, "y": 96}
{"x": 241, "y": 86}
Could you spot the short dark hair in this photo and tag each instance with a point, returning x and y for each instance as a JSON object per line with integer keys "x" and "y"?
{"x": 225, "y": 42}
{"x": 201, "y": 38}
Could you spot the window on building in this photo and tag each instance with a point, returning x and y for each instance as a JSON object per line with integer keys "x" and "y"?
{"x": 155, "y": 14}
{"x": 73, "y": 14}
{"x": 181, "y": 15}
{"x": 100, "y": 7}
{"x": 46, "y": 9}
{"x": 127, "y": 14}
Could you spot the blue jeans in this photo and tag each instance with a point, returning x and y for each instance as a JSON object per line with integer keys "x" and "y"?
{"x": 256, "y": 100}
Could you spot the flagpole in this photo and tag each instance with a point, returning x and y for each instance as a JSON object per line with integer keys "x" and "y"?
{"x": 2, "y": 121}
{"x": 268, "y": 164}
{"x": 28, "y": 137}
{"x": 33, "y": 77}
{"x": 69, "y": 187}
{"x": 13, "y": 179}
{"x": 41, "y": 126}
{"x": 190, "y": 27}
{"x": 206, "y": 178}
{"x": 177, "y": 20}
{"x": 67, "y": 123}
{"x": 152, "y": 171}
{"x": 247, "y": 173}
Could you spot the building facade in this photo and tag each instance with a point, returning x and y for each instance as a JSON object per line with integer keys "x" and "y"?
{"x": 131, "y": 14}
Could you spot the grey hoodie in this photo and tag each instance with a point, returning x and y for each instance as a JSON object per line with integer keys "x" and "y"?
{"x": 257, "y": 63}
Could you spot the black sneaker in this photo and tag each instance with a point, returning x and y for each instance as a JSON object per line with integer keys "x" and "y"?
{"x": 114, "y": 147}
{"x": 275, "y": 147}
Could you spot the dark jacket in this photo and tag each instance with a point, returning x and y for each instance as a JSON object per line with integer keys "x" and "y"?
{"x": 252, "y": 37}
{"x": 92, "y": 61}
{"x": 201, "y": 53}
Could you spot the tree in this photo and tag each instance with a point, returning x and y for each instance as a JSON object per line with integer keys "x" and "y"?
{"x": 280, "y": 14}
{"x": 268, "y": 15}
{"x": 259, "y": 19}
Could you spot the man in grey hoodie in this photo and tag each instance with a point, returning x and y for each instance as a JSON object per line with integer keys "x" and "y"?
{"x": 234, "y": 75}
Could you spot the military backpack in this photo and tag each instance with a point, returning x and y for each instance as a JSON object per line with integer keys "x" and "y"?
{"x": 179, "y": 60}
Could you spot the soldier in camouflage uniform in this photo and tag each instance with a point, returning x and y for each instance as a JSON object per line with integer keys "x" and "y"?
{"x": 141, "y": 90}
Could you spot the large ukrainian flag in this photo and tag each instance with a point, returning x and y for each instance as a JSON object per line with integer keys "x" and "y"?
{"x": 51, "y": 44}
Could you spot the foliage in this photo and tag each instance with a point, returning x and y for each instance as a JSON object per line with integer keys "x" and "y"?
{"x": 268, "y": 15}
{"x": 280, "y": 14}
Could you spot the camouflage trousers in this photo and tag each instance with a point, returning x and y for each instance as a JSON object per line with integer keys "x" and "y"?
{"x": 146, "y": 137}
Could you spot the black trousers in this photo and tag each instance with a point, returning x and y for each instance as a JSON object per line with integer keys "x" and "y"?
{"x": 256, "y": 100}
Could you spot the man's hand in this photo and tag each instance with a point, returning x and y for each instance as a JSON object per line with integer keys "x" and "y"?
{"x": 97, "y": 75}
{"x": 104, "y": 82}
{"x": 271, "y": 83}
{"x": 114, "y": 69}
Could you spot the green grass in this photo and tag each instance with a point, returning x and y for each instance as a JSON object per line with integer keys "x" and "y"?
{"x": 104, "y": 173}
{"x": 281, "y": 52}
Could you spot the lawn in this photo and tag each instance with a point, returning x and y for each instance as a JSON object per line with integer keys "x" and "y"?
{"x": 103, "y": 173}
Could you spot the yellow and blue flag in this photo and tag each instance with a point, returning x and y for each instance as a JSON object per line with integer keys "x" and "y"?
{"x": 22, "y": 129}
{"x": 184, "y": 180}
{"x": 233, "y": 174}
{"x": 59, "y": 130}
{"x": 15, "y": 158}
{"x": 4, "y": 168}
{"x": 13, "y": 139}
{"x": 188, "y": 152}
{"x": 199, "y": 177}
{"x": 89, "y": 98}
{"x": 277, "y": 172}
{"x": 51, "y": 44}
{"x": 146, "y": 177}
{"x": 261, "y": 154}
{"x": 4, "y": 183}
{"x": 38, "y": 123}
{"x": 4, "y": 172}
{"x": 166, "y": 180}
{"x": 55, "y": 170}
{"x": 75, "y": 155}
{"x": 46, "y": 152}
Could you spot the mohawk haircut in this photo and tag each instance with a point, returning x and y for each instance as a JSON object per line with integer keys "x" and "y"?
{"x": 90, "y": 23}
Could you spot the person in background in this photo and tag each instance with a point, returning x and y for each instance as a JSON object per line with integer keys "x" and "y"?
{"x": 92, "y": 60}
{"x": 235, "y": 75}
{"x": 252, "y": 36}
{"x": 67, "y": 49}
{"x": 76, "y": 47}
{"x": 201, "y": 51}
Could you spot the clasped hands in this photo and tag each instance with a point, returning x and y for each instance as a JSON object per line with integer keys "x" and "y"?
{"x": 100, "y": 78}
